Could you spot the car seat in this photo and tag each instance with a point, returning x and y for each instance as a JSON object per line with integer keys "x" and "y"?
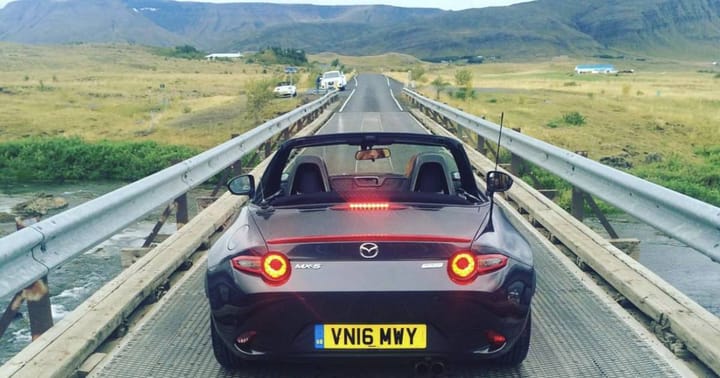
{"x": 309, "y": 175}
{"x": 429, "y": 174}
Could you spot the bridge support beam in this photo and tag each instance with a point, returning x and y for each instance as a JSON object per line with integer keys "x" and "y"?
{"x": 39, "y": 309}
{"x": 11, "y": 312}
{"x": 181, "y": 213}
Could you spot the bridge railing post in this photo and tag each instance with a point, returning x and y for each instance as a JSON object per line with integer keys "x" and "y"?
{"x": 39, "y": 308}
{"x": 517, "y": 164}
{"x": 480, "y": 145}
{"x": 37, "y": 296}
{"x": 181, "y": 213}
{"x": 577, "y": 203}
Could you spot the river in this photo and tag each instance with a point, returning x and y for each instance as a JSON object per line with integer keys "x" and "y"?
{"x": 73, "y": 282}
{"x": 686, "y": 269}
{"x": 70, "y": 284}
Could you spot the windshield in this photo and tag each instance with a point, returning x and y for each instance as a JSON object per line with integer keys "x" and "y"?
{"x": 396, "y": 172}
{"x": 340, "y": 159}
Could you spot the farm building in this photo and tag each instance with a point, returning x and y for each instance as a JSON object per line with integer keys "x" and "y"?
{"x": 595, "y": 69}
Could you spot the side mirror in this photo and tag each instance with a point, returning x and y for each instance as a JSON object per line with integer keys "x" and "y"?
{"x": 497, "y": 181}
{"x": 243, "y": 185}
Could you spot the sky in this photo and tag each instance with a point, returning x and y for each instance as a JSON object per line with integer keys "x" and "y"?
{"x": 446, "y": 4}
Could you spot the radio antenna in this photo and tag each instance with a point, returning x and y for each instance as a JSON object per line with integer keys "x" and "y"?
{"x": 489, "y": 227}
{"x": 497, "y": 152}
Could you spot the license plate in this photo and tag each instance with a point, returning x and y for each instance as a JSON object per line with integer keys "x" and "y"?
{"x": 370, "y": 336}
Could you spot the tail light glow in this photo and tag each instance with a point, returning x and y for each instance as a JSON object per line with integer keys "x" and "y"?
{"x": 369, "y": 206}
{"x": 273, "y": 267}
{"x": 495, "y": 339}
{"x": 276, "y": 267}
{"x": 465, "y": 266}
{"x": 462, "y": 267}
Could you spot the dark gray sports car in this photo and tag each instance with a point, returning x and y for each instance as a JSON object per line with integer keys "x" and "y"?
{"x": 370, "y": 245}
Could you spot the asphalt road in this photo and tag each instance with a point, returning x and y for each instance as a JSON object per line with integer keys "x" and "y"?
{"x": 371, "y": 105}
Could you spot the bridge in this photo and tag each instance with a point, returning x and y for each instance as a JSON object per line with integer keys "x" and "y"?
{"x": 153, "y": 319}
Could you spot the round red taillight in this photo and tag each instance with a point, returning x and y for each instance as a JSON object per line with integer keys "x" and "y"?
{"x": 465, "y": 266}
{"x": 275, "y": 268}
{"x": 462, "y": 267}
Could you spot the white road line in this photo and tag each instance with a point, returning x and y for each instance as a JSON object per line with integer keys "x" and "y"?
{"x": 346, "y": 101}
{"x": 388, "y": 81}
{"x": 396, "y": 101}
{"x": 356, "y": 83}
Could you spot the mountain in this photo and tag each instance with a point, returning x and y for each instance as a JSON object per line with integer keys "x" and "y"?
{"x": 539, "y": 28}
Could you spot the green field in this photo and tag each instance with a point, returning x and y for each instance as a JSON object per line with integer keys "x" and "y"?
{"x": 660, "y": 122}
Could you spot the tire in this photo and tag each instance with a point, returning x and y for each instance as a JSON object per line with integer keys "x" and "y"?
{"x": 516, "y": 355}
{"x": 223, "y": 354}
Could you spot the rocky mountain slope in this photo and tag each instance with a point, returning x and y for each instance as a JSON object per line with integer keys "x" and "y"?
{"x": 538, "y": 28}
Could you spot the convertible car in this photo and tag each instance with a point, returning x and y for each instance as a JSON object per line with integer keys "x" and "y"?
{"x": 363, "y": 245}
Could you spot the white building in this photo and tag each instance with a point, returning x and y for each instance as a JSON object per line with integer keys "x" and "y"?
{"x": 595, "y": 69}
{"x": 223, "y": 56}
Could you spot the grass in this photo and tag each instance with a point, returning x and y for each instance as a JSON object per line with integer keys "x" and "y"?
{"x": 661, "y": 117}
{"x": 665, "y": 109}
{"x": 126, "y": 93}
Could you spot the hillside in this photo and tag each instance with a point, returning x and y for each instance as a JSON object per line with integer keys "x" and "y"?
{"x": 539, "y": 28}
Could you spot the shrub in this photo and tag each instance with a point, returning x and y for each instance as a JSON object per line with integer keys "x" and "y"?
{"x": 184, "y": 52}
{"x": 417, "y": 73}
{"x": 439, "y": 85}
{"x": 464, "y": 78}
{"x": 573, "y": 118}
{"x": 60, "y": 159}
{"x": 700, "y": 181}
{"x": 259, "y": 94}
{"x": 465, "y": 93}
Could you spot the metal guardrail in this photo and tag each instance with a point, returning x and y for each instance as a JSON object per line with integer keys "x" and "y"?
{"x": 29, "y": 254}
{"x": 689, "y": 220}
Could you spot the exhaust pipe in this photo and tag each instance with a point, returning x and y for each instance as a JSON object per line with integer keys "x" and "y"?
{"x": 422, "y": 368}
{"x": 437, "y": 367}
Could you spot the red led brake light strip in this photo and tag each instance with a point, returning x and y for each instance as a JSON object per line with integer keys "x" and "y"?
{"x": 367, "y": 237}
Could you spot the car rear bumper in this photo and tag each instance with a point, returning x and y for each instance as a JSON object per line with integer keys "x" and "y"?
{"x": 283, "y": 326}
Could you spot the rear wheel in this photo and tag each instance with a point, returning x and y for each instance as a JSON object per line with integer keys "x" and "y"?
{"x": 223, "y": 354}
{"x": 516, "y": 355}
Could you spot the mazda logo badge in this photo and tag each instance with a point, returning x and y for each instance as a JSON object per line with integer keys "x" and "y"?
{"x": 369, "y": 250}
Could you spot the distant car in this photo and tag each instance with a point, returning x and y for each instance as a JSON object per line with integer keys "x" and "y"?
{"x": 333, "y": 80}
{"x": 370, "y": 245}
{"x": 285, "y": 89}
